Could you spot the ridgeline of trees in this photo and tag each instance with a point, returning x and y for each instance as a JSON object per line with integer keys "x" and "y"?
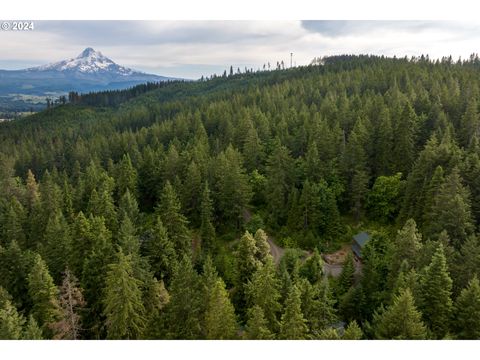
{"x": 142, "y": 214}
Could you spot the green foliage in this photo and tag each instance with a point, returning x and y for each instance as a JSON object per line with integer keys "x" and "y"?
{"x": 220, "y": 322}
{"x": 207, "y": 229}
{"x": 467, "y": 311}
{"x": 435, "y": 294}
{"x": 257, "y": 326}
{"x": 318, "y": 306}
{"x": 124, "y": 309}
{"x": 160, "y": 251}
{"x": 174, "y": 221}
{"x": 43, "y": 294}
{"x": 384, "y": 198}
{"x": 400, "y": 321}
{"x": 405, "y": 250}
{"x": 161, "y": 171}
{"x": 347, "y": 276}
{"x": 451, "y": 210}
{"x": 32, "y": 331}
{"x": 293, "y": 325}
{"x": 263, "y": 291}
{"x": 183, "y": 312}
{"x": 11, "y": 322}
{"x": 353, "y": 332}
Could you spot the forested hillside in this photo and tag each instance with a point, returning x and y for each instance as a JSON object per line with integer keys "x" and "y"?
{"x": 144, "y": 214}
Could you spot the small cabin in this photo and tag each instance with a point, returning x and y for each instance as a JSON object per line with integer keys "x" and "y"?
{"x": 359, "y": 242}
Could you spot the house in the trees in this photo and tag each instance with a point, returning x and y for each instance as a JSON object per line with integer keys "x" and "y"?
{"x": 359, "y": 242}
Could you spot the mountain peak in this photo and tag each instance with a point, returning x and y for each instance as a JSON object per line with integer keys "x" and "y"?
{"x": 88, "y": 52}
{"x": 89, "y": 61}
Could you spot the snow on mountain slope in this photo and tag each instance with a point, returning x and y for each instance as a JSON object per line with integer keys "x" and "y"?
{"x": 89, "y": 71}
{"x": 89, "y": 61}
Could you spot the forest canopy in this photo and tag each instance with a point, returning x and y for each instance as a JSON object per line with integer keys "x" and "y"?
{"x": 150, "y": 213}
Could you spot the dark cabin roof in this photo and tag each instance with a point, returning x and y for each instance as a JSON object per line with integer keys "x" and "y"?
{"x": 359, "y": 242}
{"x": 361, "y": 238}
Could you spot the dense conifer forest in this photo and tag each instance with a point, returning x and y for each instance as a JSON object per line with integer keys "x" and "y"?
{"x": 149, "y": 213}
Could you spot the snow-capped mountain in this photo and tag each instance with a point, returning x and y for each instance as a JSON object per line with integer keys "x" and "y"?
{"x": 89, "y": 71}
{"x": 88, "y": 62}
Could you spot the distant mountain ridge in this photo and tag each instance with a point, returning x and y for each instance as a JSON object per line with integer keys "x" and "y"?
{"x": 89, "y": 71}
{"x": 88, "y": 62}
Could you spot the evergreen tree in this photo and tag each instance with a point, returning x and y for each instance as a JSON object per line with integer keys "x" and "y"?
{"x": 11, "y": 322}
{"x": 400, "y": 321}
{"x": 207, "y": 229}
{"x": 246, "y": 264}
{"x": 263, "y": 290}
{"x": 403, "y": 150}
{"x": 183, "y": 312}
{"x": 156, "y": 297}
{"x": 32, "y": 331}
{"x": 451, "y": 210}
{"x": 279, "y": 181}
{"x": 128, "y": 207}
{"x": 347, "y": 276}
{"x": 406, "y": 247}
{"x": 192, "y": 187}
{"x": 11, "y": 224}
{"x": 359, "y": 186}
{"x": 124, "y": 310}
{"x": 467, "y": 263}
{"x": 312, "y": 268}
{"x": 14, "y": 268}
{"x": 161, "y": 252}
{"x": 318, "y": 307}
{"x": 257, "y": 325}
{"x": 101, "y": 205}
{"x": 467, "y": 311}
{"x": 233, "y": 190}
{"x": 261, "y": 243}
{"x": 435, "y": 294}
{"x": 169, "y": 210}
{"x": 57, "y": 245}
{"x": 353, "y": 332}
{"x": 128, "y": 239}
{"x": 293, "y": 325}
{"x": 43, "y": 294}
{"x": 469, "y": 123}
{"x": 126, "y": 177}
{"x": 220, "y": 320}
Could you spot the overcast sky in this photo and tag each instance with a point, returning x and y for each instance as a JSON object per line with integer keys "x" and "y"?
{"x": 190, "y": 49}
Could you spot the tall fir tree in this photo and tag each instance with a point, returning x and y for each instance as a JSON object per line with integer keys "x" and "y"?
{"x": 11, "y": 322}
{"x": 220, "y": 322}
{"x": 160, "y": 252}
{"x": 169, "y": 210}
{"x": 293, "y": 325}
{"x": 467, "y": 312}
{"x": 183, "y": 312}
{"x": 400, "y": 321}
{"x": 44, "y": 295}
{"x": 451, "y": 210}
{"x": 263, "y": 290}
{"x": 257, "y": 325}
{"x": 124, "y": 310}
{"x": 435, "y": 294}
{"x": 207, "y": 229}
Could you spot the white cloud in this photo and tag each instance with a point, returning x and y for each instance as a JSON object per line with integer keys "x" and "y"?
{"x": 193, "y": 48}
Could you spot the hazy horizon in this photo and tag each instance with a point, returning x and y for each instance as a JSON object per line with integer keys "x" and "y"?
{"x": 190, "y": 49}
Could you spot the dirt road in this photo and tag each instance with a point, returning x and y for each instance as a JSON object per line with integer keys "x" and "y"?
{"x": 334, "y": 269}
{"x": 275, "y": 250}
